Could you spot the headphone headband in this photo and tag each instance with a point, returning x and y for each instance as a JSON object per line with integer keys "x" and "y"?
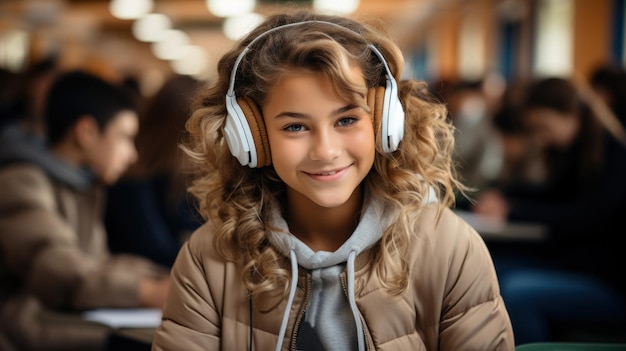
{"x": 237, "y": 130}
{"x": 231, "y": 86}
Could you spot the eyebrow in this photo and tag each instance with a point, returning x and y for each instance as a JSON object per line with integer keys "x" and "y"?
{"x": 304, "y": 115}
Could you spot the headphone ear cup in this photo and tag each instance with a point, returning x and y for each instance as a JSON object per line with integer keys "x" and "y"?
{"x": 257, "y": 127}
{"x": 375, "y": 99}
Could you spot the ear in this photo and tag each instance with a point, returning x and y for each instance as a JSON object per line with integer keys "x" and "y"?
{"x": 86, "y": 131}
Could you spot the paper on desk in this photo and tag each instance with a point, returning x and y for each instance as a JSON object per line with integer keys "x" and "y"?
{"x": 125, "y": 317}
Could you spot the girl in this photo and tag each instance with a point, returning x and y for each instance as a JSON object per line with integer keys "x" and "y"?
{"x": 336, "y": 233}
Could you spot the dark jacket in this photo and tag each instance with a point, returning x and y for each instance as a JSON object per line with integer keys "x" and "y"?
{"x": 584, "y": 213}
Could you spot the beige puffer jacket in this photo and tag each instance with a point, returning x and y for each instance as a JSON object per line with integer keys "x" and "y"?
{"x": 453, "y": 302}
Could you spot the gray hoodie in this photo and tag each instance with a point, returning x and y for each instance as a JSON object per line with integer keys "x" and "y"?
{"x": 17, "y": 146}
{"x": 331, "y": 316}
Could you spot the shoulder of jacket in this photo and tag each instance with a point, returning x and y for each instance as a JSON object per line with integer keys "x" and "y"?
{"x": 448, "y": 221}
{"x": 21, "y": 169}
{"x": 201, "y": 243}
{"x": 25, "y": 183}
{"x": 449, "y": 232}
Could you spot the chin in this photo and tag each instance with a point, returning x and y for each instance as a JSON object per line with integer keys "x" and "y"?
{"x": 326, "y": 203}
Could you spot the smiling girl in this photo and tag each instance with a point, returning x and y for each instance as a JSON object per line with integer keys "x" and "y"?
{"x": 326, "y": 187}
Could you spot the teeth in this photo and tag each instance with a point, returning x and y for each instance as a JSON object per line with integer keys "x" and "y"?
{"x": 327, "y": 173}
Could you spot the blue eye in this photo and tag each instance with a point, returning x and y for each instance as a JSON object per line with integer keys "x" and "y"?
{"x": 294, "y": 128}
{"x": 347, "y": 121}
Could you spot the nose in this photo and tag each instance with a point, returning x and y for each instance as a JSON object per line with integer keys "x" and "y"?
{"x": 326, "y": 146}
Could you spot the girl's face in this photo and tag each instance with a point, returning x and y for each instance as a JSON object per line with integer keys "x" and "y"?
{"x": 322, "y": 146}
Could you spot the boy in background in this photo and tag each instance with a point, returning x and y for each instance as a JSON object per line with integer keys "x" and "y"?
{"x": 53, "y": 247}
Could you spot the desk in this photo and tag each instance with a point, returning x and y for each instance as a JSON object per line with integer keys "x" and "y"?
{"x": 132, "y": 329}
{"x": 116, "y": 334}
{"x": 492, "y": 229}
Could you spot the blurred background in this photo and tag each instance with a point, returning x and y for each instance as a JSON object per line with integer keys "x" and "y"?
{"x": 552, "y": 154}
{"x": 491, "y": 40}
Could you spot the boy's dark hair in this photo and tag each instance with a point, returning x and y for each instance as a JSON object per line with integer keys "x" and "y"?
{"x": 75, "y": 94}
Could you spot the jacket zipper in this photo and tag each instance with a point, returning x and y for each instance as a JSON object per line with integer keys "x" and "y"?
{"x": 366, "y": 335}
{"x": 307, "y": 295}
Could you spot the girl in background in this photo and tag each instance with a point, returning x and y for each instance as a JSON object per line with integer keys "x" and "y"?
{"x": 575, "y": 277}
{"x": 148, "y": 211}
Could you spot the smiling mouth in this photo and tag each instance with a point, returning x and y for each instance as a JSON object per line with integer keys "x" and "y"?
{"x": 329, "y": 173}
{"x": 325, "y": 173}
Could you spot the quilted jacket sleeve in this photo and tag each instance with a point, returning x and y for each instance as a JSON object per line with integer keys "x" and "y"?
{"x": 192, "y": 312}
{"x": 43, "y": 250}
{"x": 473, "y": 314}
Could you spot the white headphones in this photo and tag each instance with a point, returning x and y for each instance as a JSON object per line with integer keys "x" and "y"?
{"x": 245, "y": 130}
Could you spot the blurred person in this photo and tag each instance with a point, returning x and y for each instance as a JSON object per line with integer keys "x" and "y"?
{"x": 608, "y": 81}
{"x": 54, "y": 258}
{"x": 29, "y": 90}
{"x": 477, "y": 149}
{"x": 21, "y": 102}
{"x": 148, "y": 211}
{"x": 7, "y": 98}
{"x": 515, "y": 145}
{"x": 575, "y": 278}
{"x": 520, "y": 158}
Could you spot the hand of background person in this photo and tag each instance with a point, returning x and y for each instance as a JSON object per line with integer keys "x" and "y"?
{"x": 153, "y": 291}
{"x": 491, "y": 203}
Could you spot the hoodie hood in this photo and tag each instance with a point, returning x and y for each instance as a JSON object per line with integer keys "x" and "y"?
{"x": 367, "y": 233}
{"x": 17, "y": 147}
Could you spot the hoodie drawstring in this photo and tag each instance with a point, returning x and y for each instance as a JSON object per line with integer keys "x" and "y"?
{"x": 292, "y": 293}
{"x": 352, "y": 299}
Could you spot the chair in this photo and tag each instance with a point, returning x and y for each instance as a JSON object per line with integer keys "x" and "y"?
{"x": 571, "y": 346}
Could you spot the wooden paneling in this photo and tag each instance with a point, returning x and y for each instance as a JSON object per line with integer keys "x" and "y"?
{"x": 592, "y": 35}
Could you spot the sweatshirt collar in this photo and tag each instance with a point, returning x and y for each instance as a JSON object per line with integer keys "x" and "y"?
{"x": 367, "y": 233}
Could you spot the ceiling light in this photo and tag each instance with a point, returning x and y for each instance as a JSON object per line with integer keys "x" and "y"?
{"x": 193, "y": 62}
{"x": 228, "y": 8}
{"x": 339, "y": 7}
{"x": 237, "y": 27}
{"x": 151, "y": 27}
{"x": 130, "y": 9}
{"x": 172, "y": 46}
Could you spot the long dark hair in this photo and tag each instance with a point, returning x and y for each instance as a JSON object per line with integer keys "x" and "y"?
{"x": 587, "y": 150}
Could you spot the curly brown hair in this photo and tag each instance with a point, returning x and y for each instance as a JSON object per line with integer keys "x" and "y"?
{"x": 238, "y": 199}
